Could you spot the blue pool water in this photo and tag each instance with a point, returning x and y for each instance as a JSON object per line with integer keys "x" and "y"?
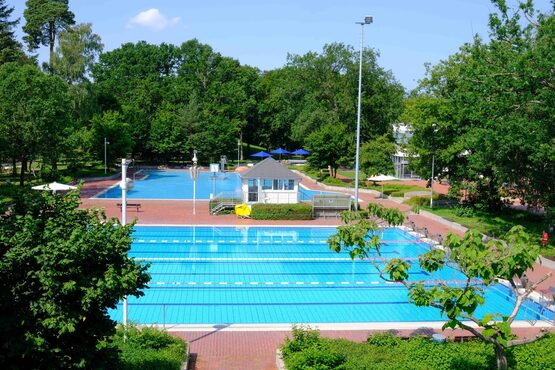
{"x": 178, "y": 185}
{"x": 232, "y": 275}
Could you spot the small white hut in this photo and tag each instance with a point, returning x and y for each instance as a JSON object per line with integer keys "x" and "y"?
{"x": 270, "y": 182}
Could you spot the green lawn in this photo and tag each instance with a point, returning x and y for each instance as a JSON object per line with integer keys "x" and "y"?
{"x": 493, "y": 224}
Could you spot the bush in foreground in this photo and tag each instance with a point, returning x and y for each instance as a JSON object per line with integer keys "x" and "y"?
{"x": 307, "y": 350}
{"x": 297, "y": 211}
{"x": 149, "y": 348}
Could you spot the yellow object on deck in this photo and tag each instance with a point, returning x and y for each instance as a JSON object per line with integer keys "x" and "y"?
{"x": 242, "y": 210}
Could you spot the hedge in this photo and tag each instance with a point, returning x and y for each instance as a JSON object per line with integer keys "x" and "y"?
{"x": 297, "y": 211}
{"x": 149, "y": 349}
{"x": 307, "y": 350}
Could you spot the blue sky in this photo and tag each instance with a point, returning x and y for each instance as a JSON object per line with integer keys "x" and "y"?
{"x": 407, "y": 33}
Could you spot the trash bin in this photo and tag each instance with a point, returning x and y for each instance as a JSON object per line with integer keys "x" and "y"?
{"x": 438, "y": 338}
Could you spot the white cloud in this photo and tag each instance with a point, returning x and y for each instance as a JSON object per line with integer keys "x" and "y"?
{"x": 153, "y": 19}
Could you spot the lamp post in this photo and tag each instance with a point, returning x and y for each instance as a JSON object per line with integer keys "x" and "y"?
{"x": 238, "y": 152}
{"x": 367, "y": 20}
{"x": 194, "y": 174}
{"x": 434, "y": 130}
{"x": 105, "y": 157}
{"x": 432, "y": 182}
{"x": 123, "y": 186}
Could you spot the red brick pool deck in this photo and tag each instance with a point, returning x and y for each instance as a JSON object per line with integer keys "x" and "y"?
{"x": 221, "y": 349}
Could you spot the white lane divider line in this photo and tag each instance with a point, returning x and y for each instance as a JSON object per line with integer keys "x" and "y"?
{"x": 253, "y": 283}
{"x": 344, "y": 283}
{"x": 299, "y": 282}
{"x": 140, "y": 241}
{"x": 221, "y": 241}
{"x": 176, "y": 241}
{"x": 314, "y": 282}
{"x": 210, "y": 241}
{"x": 330, "y": 282}
{"x": 223, "y": 283}
{"x": 359, "y": 282}
{"x": 164, "y": 240}
{"x": 284, "y": 283}
{"x": 160, "y": 283}
{"x": 152, "y": 241}
{"x": 192, "y": 283}
{"x": 207, "y": 283}
{"x": 238, "y": 283}
{"x": 374, "y": 282}
{"x": 269, "y": 283}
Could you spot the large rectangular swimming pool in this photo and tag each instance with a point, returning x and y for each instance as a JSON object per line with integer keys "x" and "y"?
{"x": 261, "y": 275}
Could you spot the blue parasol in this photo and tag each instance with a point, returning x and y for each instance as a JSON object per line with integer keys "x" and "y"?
{"x": 280, "y": 151}
{"x": 261, "y": 154}
{"x": 300, "y": 152}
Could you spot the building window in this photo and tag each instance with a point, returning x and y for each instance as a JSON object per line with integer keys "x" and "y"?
{"x": 278, "y": 184}
{"x": 289, "y": 184}
{"x": 266, "y": 184}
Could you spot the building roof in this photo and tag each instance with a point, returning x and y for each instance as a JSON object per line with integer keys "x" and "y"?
{"x": 270, "y": 169}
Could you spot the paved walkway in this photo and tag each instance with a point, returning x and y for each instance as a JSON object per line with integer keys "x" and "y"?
{"x": 221, "y": 349}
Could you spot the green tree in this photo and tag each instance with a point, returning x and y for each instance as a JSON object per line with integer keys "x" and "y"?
{"x": 375, "y": 156}
{"x": 491, "y": 103}
{"x": 44, "y": 20}
{"x": 483, "y": 265}
{"x": 61, "y": 269}
{"x": 77, "y": 51}
{"x": 329, "y": 147}
{"x": 10, "y": 48}
{"x": 110, "y": 125}
{"x": 34, "y": 114}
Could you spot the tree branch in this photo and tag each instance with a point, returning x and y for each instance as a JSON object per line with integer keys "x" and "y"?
{"x": 517, "y": 342}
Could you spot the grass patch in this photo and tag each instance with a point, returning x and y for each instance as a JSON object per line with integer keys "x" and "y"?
{"x": 395, "y": 189}
{"x": 150, "y": 349}
{"x": 488, "y": 223}
{"x": 307, "y": 350}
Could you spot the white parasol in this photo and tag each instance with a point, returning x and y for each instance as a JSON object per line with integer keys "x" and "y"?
{"x": 54, "y": 187}
{"x": 381, "y": 178}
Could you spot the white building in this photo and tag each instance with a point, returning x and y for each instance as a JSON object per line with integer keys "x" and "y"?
{"x": 270, "y": 182}
{"x": 402, "y": 133}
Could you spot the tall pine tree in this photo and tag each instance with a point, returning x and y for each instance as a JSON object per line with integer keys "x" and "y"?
{"x": 10, "y": 48}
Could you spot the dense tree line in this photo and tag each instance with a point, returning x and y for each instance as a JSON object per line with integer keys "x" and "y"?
{"x": 159, "y": 102}
{"x": 487, "y": 113}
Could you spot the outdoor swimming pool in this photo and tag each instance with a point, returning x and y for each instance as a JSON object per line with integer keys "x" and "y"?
{"x": 178, "y": 185}
{"x": 261, "y": 275}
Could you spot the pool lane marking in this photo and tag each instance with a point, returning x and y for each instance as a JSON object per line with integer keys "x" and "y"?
{"x": 238, "y": 259}
{"x": 269, "y": 283}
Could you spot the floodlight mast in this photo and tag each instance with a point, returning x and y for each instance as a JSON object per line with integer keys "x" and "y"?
{"x": 367, "y": 20}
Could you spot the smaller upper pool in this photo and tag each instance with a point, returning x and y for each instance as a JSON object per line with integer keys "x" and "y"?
{"x": 178, "y": 185}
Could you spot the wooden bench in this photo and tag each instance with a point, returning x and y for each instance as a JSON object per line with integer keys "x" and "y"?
{"x": 137, "y": 206}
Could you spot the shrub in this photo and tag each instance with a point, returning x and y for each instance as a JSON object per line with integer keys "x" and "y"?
{"x": 464, "y": 211}
{"x": 297, "y": 211}
{"x": 308, "y": 351}
{"x": 150, "y": 349}
{"x": 536, "y": 355}
{"x": 384, "y": 340}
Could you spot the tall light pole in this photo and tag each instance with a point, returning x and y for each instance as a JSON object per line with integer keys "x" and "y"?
{"x": 434, "y": 130}
{"x": 432, "y": 182}
{"x": 123, "y": 185}
{"x": 238, "y": 152}
{"x": 367, "y": 20}
{"x": 105, "y": 157}
{"x": 194, "y": 175}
